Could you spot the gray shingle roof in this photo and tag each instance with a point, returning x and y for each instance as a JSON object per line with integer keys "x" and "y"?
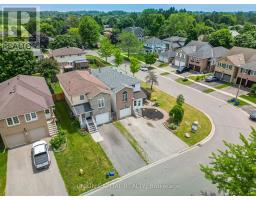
{"x": 168, "y": 54}
{"x": 175, "y": 39}
{"x": 67, "y": 51}
{"x": 138, "y": 31}
{"x": 114, "y": 79}
{"x": 154, "y": 41}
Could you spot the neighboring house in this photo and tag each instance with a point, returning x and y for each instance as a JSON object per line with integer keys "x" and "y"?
{"x": 238, "y": 65}
{"x": 154, "y": 45}
{"x": 174, "y": 42}
{"x": 127, "y": 96}
{"x": 167, "y": 56}
{"x": 88, "y": 98}
{"x": 70, "y": 58}
{"x": 26, "y": 110}
{"x": 137, "y": 31}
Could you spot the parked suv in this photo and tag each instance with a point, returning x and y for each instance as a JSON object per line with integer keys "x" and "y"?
{"x": 40, "y": 155}
{"x": 182, "y": 69}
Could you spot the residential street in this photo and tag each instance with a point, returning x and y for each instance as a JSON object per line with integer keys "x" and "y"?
{"x": 181, "y": 175}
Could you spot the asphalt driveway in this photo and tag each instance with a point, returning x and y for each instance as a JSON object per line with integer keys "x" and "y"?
{"x": 122, "y": 155}
{"x": 153, "y": 137}
{"x": 24, "y": 180}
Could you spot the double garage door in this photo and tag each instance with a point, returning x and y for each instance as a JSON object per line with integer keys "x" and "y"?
{"x": 20, "y": 138}
{"x": 102, "y": 118}
{"x": 179, "y": 63}
{"x": 125, "y": 112}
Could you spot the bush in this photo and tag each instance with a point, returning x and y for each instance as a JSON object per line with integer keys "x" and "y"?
{"x": 253, "y": 90}
{"x": 172, "y": 126}
{"x": 58, "y": 140}
{"x": 176, "y": 114}
{"x": 180, "y": 100}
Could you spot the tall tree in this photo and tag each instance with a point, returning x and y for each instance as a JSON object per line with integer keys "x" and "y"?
{"x": 134, "y": 66}
{"x": 233, "y": 170}
{"x": 221, "y": 37}
{"x": 129, "y": 42}
{"x": 106, "y": 48}
{"x": 48, "y": 68}
{"x": 119, "y": 59}
{"x": 89, "y": 31}
{"x": 151, "y": 79}
{"x": 150, "y": 58}
{"x": 63, "y": 41}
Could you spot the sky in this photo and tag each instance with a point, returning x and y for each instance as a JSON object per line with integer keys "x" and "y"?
{"x": 138, "y": 7}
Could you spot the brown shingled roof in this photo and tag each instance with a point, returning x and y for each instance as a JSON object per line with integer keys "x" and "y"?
{"x": 82, "y": 82}
{"x": 247, "y": 52}
{"x": 67, "y": 51}
{"x": 23, "y": 94}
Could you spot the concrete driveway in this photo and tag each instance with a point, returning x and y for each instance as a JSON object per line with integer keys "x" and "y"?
{"x": 24, "y": 180}
{"x": 153, "y": 137}
{"x": 122, "y": 155}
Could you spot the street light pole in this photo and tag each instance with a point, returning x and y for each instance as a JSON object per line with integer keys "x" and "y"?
{"x": 239, "y": 86}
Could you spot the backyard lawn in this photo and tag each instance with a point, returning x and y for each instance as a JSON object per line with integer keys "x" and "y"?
{"x": 81, "y": 153}
{"x": 3, "y": 167}
{"x": 95, "y": 62}
{"x": 191, "y": 114}
{"x": 56, "y": 88}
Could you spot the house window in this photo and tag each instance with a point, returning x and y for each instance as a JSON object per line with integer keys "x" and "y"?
{"x": 12, "y": 121}
{"x": 101, "y": 103}
{"x": 81, "y": 97}
{"x": 125, "y": 96}
{"x": 135, "y": 103}
{"x": 30, "y": 117}
{"x": 47, "y": 111}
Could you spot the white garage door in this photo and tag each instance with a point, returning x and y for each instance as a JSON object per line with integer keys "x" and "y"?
{"x": 102, "y": 118}
{"x": 125, "y": 112}
{"x": 179, "y": 63}
{"x": 37, "y": 134}
{"x": 15, "y": 140}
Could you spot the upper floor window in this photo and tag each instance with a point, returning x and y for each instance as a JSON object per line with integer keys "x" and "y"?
{"x": 81, "y": 97}
{"x": 125, "y": 96}
{"x": 12, "y": 121}
{"x": 101, "y": 103}
{"x": 30, "y": 117}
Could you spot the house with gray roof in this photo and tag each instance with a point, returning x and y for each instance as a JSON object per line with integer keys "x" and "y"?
{"x": 174, "y": 42}
{"x": 167, "y": 56}
{"x": 127, "y": 96}
{"x": 137, "y": 31}
{"x": 154, "y": 45}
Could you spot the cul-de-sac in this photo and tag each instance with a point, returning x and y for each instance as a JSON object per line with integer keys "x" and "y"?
{"x": 157, "y": 101}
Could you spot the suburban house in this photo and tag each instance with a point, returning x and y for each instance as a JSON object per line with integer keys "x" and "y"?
{"x": 200, "y": 56}
{"x": 167, "y": 56}
{"x": 154, "y": 45}
{"x": 127, "y": 96}
{"x": 26, "y": 110}
{"x": 70, "y": 58}
{"x": 174, "y": 42}
{"x": 204, "y": 58}
{"x": 137, "y": 31}
{"x": 238, "y": 65}
{"x": 88, "y": 98}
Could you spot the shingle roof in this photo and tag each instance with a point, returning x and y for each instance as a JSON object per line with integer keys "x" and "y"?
{"x": 203, "y": 52}
{"x": 219, "y": 52}
{"x": 66, "y": 51}
{"x": 250, "y": 66}
{"x": 138, "y": 31}
{"x": 82, "y": 82}
{"x": 154, "y": 41}
{"x": 175, "y": 39}
{"x": 247, "y": 52}
{"x": 168, "y": 54}
{"x": 114, "y": 79}
{"x": 23, "y": 94}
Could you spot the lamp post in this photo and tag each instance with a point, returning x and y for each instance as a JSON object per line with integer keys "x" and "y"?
{"x": 240, "y": 83}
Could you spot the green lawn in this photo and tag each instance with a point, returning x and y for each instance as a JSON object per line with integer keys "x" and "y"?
{"x": 139, "y": 56}
{"x": 191, "y": 114}
{"x": 164, "y": 73}
{"x": 56, "y": 88}
{"x": 208, "y": 90}
{"x": 250, "y": 98}
{"x": 81, "y": 153}
{"x": 184, "y": 81}
{"x": 131, "y": 140}
{"x": 3, "y": 168}
{"x": 96, "y": 62}
{"x": 241, "y": 103}
{"x": 198, "y": 77}
{"x": 224, "y": 85}
{"x": 163, "y": 65}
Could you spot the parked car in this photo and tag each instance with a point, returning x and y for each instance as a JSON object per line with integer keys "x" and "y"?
{"x": 253, "y": 115}
{"x": 182, "y": 69}
{"x": 144, "y": 68}
{"x": 40, "y": 155}
{"x": 211, "y": 79}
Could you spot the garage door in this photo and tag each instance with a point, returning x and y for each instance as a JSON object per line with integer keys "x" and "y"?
{"x": 125, "y": 112}
{"x": 37, "y": 134}
{"x": 102, "y": 118}
{"x": 15, "y": 140}
{"x": 179, "y": 63}
{"x": 226, "y": 78}
{"x": 218, "y": 75}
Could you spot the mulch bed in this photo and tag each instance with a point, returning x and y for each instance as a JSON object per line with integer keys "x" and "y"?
{"x": 152, "y": 113}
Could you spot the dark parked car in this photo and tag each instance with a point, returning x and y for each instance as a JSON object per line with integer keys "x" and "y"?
{"x": 253, "y": 115}
{"x": 182, "y": 69}
{"x": 211, "y": 79}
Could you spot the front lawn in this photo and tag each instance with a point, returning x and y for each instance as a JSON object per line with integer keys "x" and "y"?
{"x": 164, "y": 73}
{"x": 208, "y": 90}
{"x": 184, "y": 81}
{"x": 3, "y": 168}
{"x": 163, "y": 65}
{"x": 81, "y": 153}
{"x": 250, "y": 98}
{"x": 224, "y": 85}
{"x": 166, "y": 102}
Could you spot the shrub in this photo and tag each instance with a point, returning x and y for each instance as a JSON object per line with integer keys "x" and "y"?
{"x": 180, "y": 100}
{"x": 253, "y": 90}
{"x": 58, "y": 140}
{"x": 172, "y": 126}
{"x": 176, "y": 114}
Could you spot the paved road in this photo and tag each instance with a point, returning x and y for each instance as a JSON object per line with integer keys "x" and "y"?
{"x": 181, "y": 175}
{"x": 155, "y": 139}
{"x": 24, "y": 180}
{"x": 122, "y": 155}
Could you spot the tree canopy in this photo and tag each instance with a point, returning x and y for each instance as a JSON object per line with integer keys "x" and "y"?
{"x": 221, "y": 37}
{"x": 129, "y": 42}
